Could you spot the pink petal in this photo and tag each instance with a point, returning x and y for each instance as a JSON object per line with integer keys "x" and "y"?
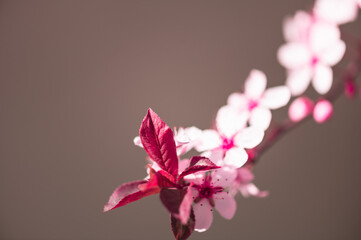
{"x": 224, "y": 177}
{"x": 249, "y": 137}
{"x": 300, "y": 108}
{"x": 334, "y": 53}
{"x": 208, "y": 140}
{"x": 252, "y": 190}
{"x": 137, "y": 142}
{"x": 322, "y": 79}
{"x": 158, "y": 141}
{"x": 323, "y": 36}
{"x": 260, "y": 118}
{"x": 276, "y": 97}
{"x": 244, "y": 175}
{"x": 323, "y": 111}
{"x": 225, "y": 204}
{"x": 127, "y": 193}
{"x": 238, "y": 100}
{"x": 203, "y": 215}
{"x": 230, "y": 120}
{"x": 337, "y": 11}
{"x": 186, "y": 206}
{"x": 298, "y": 80}
{"x": 235, "y": 157}
{"x": 294, "y": 55}
{"x": 295, "y": 28}
{"x": 255, "y": 84}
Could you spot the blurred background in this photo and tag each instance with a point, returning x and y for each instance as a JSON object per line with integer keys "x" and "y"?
{"x": 76, "y": 79}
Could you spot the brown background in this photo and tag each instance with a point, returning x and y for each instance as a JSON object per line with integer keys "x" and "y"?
{"x": 76, "y": 80}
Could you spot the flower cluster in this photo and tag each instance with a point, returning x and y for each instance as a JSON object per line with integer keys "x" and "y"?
{"x": 192, "y": 188}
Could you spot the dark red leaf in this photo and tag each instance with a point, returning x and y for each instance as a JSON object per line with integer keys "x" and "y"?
{"x": 158, "y": 140}
{"x": 172, "y": 198}
{"x": 197, "y": 164}
{"x": 182, "y": 231}
{"x": 127, "y": 193}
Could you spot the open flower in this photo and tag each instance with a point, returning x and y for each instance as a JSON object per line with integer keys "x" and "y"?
{"x": 257, "y": 101}
{"x": 315, "y": 46}
{"x": 230, "y": 138}
{"x": 210, "y": 190}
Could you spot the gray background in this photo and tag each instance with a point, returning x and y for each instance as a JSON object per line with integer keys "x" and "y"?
{"x": 76, "y": 80}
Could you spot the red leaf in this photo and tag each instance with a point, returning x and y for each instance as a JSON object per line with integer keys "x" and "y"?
{"x": 197, "y": 164}
{"x": 158, "y": 140}
{"x": 182, "y": 231}
{"x": 127, "y": 193}
{"x": 172, "y": 198}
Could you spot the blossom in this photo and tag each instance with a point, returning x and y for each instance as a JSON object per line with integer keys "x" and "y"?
{"x": 314, "y": 47}
{"x": 256, "y": 101}
{"x": 230, "y": 137}
{"x": 337, "y": 11}
{"x": 243, "y": 184}
{"x": 210, "y": 190}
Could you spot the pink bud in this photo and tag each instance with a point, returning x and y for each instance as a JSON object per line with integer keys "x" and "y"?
{"x": 323, "y": 111}
{"x": 300, "y": 108}
{"x": 350, "y": 89}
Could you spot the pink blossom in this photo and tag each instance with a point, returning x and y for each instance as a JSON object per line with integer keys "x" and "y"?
{"x": 337, "y": 11}
{"x": 314, "y": 47}
{"x": 243, "y": 184}
{"x": 231, "y": 137}
{"x": 256, "y": 101}
{"x": 300, "y": 108}
{"x": 211, "y": 191}
{"x": 323, "y": 111}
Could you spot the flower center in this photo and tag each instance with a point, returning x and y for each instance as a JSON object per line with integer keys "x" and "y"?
{"x": 227, "y": 144}
{"x": 252, "y": 104}
{"x": 314, "y": 61}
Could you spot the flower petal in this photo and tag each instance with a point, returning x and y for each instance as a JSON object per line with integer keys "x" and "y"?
{"x": 249, "y": 137}
{"x": 334, "y": 53}
{"x": 224, "y": 177}
{"x": 225, "y": 204}
{"x": 298, "y": 80}
{"x": 255, "y": 84}
{"x": 260, "y": 118}
{"x": 230, "y": 120}
{"x": 203, "y": 215}
{"x": 337, "y": 11}
{"x": 276, "y": 97}
{"x": 238, "y": 100}
{"x": 208, "y": 140}
{"x": 294, "y": 55}
{"x": 323, "y": 36}
{"x": 235, "y": 157}
{"x": 322, "y": 80}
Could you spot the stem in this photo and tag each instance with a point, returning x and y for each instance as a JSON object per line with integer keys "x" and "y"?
{"x": 278, "y": 130}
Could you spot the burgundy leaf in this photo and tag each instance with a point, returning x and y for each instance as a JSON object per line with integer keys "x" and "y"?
{"x": 197, "y": 164}
{"x": 127, "y": 193}
{"x": 182, "y": 231}
{"x": 172, "y": 198}
{"x": 158, "y": 180}
{"x": 158, "y": 140}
